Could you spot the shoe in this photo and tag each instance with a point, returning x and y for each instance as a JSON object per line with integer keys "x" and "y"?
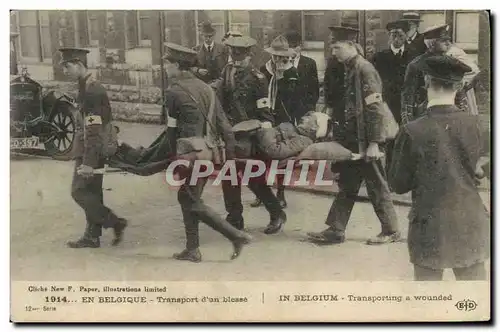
{"x": 385, "y": 238}
{"x": 239, "y": 244}
{"x": 256, "y": 203}
{"x": 238, "y": 223}
{"x": 118, "y": 230}
{"x": 192, "y": 255}
{"x": 85, "y": 242}
{"x": 276, "y": 224}
{"x": 281, "y": 198}
{"x": 328, "y": 236}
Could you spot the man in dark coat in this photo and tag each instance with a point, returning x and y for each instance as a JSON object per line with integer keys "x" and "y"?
{"x": 243, "y": 91}
{"x": 308, "y": 83}
{"x": 188, "y": 102}
{"x": 415, "y": 41}
{"x": 391, "y": 65}
{"x": 212, "y": 56}
{"x": 93, "y": 134}
{"x": 360, "y": 130}
{"x": 436, "y": 157}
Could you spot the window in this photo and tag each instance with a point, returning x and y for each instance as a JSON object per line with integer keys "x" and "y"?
{"x": 467, "y": 30}
{"x": 216, "y": 17}
{"x": 34, "y": 35}
{"x": 93, "y": 29}
{"x": 430, "y": 19}
{"x": 173, "y": 29}
{"x": 28, "y": 33}
{"x": 144, "y": 21}
{"x": 239, "y": 20}
{"x": 45, "y": 34}
{"x": 313, "y": 29}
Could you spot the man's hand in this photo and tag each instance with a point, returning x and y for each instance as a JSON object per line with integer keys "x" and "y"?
{"x": 202, "y": 71}
{"x": 373, "y": 152}
{"x": 266, "y": 125}
{"x": 85, "y": 171}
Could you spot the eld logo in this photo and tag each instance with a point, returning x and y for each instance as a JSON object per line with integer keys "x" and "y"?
{"x": 466, "y": 305}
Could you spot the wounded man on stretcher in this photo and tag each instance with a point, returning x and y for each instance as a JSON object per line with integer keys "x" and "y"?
{"x": 254, "y": 140}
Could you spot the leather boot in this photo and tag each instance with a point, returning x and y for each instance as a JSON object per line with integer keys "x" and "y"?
{"x": 118, "y": 229}
{"x": 192, "y": 255}
{"x": 280, "y": 194}
{"x": 88, "y": 240}
{"x": 239, "y": 244}
{"x": 276, "y": 223}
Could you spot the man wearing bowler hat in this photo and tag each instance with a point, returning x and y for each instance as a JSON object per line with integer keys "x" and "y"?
{"x": 92, "y": 139}
{"x": 212, "y": 56}
{"x": 243, "y": 91}
{"x": 437, "y": 158}
{"x": 360, "y": 130}
{"x": 415, "y": 40}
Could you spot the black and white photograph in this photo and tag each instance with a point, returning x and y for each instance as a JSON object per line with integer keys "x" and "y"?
{"x": 250, "y": 165}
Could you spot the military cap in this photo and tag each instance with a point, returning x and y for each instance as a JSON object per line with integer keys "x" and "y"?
{"x": 175, "y": 53}
{"x": 240, "y": 42}
{"x": 444, "y": 67}
{"x": 437, "y": 32}
{"x": 207, "y": 28}
{"x": 73, "y": 54}
{"x": 411, "y": 16}
{"x": 346, "y": 31}
{"x": 400, "y": 24}
{"x": 279, "y": 46}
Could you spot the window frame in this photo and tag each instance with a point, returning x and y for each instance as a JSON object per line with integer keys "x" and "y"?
{"x": 92, "y": 42}
{"x": 470, "y": 48}
{"x": 230, "y": 21}
{"x": 310, "y": 45}
{"x": 39, "y": 58}
{"x": 142, "y": 42}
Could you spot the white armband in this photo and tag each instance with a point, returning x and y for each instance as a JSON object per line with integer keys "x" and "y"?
{"x": 373, "y": 98}
{"x": 263, "y": 102}
{"x": 171, "y": 122}
{"x": 93, "y": 120}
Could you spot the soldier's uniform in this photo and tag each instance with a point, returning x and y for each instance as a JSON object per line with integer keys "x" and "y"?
{"x": 357, "y": 129}
{"x": 93, "y": 131}
{"x": 243, "y": 91}
{"x": 188, "y": 99}
{"x": 436, "y": 158}
{"x": 414, "y": 95}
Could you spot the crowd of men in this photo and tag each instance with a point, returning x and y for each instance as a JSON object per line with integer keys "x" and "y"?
{"x": 420, "y": 81}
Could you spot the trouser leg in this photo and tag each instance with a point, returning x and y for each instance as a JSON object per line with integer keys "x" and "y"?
{"x": 264, "y": 192}
{"x": 232, "y": 200}
{"x": 88, "y": 194}
{"x": 380, "y": 195}
{"x": 349, "y": 182}
{"x": 473, "y": 272}
{"x": 422, "y": 273}
{"x": 194, "y": 210}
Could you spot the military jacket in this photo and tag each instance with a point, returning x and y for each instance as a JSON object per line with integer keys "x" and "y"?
{"x": 369, "y": 127}
{"x": 95, "y": 111}
{"x": 244, "y": 94}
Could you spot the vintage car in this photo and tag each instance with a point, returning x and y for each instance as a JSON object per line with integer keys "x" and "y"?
{"x": 38, "y": 117}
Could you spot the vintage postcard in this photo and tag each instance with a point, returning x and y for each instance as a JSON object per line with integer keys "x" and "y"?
{"x": 250, "y": 165}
